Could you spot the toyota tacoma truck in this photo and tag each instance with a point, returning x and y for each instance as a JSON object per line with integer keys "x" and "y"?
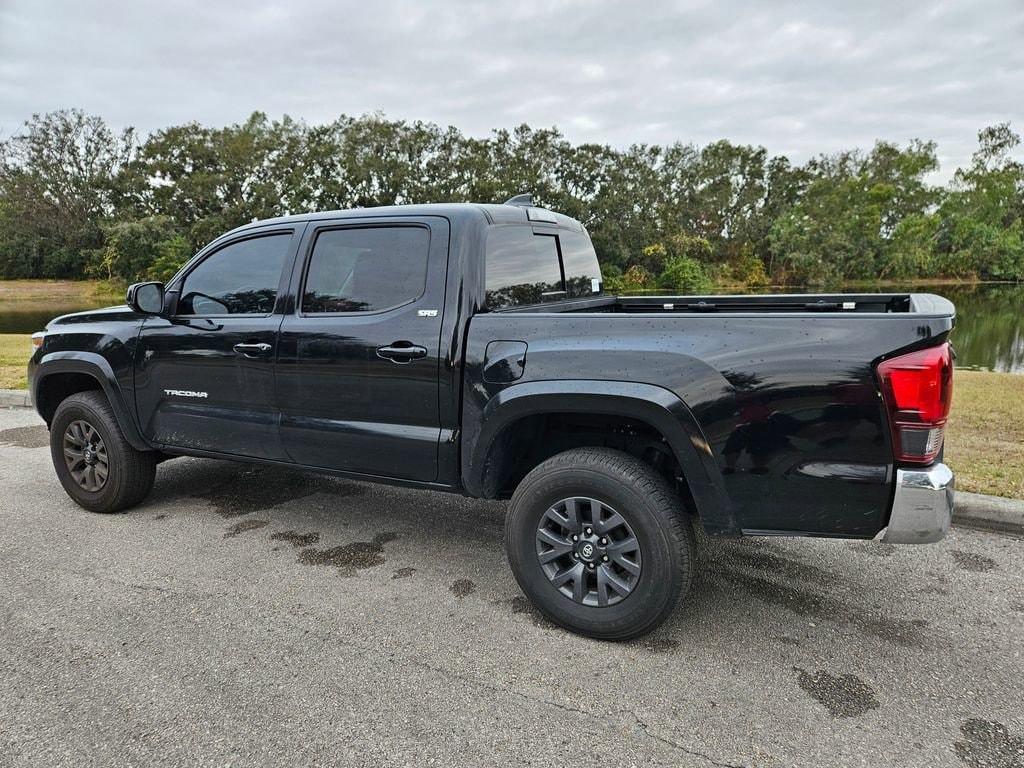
{"x": 472, "y": 349}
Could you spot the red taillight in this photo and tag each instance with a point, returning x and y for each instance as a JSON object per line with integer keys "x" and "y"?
{"x": 918, "y": 390}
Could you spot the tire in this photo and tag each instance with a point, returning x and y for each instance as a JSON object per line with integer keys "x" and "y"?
{"x": 602, "y": 482}
{"x": 129, "y": 473}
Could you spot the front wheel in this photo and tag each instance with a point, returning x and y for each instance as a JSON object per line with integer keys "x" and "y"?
{"x": 97, "y": 466}
{"x": 599, "y": 543}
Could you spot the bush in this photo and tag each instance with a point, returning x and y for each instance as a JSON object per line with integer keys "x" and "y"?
{"x": 685, "y": 274}
{"x": 636, "y": 278}
{"x": 171, "y": 256}
{"x": 132, "y": 248}
{"x": 750, "y": 269}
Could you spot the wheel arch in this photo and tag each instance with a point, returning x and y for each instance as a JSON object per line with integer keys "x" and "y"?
{"x": 660, "y": 409}
{"x": 60, "y": 374}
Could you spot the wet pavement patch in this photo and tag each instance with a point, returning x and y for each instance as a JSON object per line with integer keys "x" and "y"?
{"x": 988, "y": 744}
{"x": 807, "y": 603}
{"x": 751, "y": 555}
{"x": 35, "y": 436}
{"x": 968, "y": 561}
{"x": 248, "y": 489}
{"x": 161, "y": 516}
{"x": 658, "y": 644}
{"x": 403, "y": 573}
{"x": 462, "y": 587}
{"x": 521, "y": 605}
{"x": 245, "y": 525}
{"x": 350, "y": 558}
{"x": 875, "y": 548}
{"x": 297, "y": 539}
{"x": 841, "y": 695}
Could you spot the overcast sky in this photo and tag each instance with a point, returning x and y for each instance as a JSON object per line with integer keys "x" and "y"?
{"x": 798, "y": 77}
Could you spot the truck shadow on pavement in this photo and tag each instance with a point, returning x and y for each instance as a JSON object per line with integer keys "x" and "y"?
{"x": 732, "y": 577}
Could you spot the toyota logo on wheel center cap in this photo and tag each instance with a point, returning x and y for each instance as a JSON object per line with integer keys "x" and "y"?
{"x": 587, "y": 550}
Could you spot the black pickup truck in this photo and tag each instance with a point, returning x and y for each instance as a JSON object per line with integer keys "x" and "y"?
{"x": 470, "y": 348}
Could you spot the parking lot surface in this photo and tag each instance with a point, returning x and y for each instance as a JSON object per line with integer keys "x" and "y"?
{"x": 248, "y": 615}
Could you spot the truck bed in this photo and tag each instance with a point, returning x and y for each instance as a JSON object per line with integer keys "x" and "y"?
{"x": 782, "y": 389}
{"x": 841, "y": 303}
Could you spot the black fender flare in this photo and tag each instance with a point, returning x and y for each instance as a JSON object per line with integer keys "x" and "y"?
{"x": 96, "y": 366}
{"x": 659, "y": 407}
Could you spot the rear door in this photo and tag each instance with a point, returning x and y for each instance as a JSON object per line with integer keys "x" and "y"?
{"x": 204, "y": 376}
{"x": 360, "y": 351}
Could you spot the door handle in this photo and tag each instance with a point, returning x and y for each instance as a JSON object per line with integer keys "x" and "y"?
{"x": 252, "y": 350}
{"x": 401, "y": 352}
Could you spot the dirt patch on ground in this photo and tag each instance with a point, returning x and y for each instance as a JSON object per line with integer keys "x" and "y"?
{"x": 462, "y": 587}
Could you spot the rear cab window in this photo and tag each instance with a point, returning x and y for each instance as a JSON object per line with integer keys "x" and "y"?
{"x": 524, "y": 266}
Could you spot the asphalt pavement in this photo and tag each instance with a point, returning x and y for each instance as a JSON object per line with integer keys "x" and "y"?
{"x": 252, "y": 616}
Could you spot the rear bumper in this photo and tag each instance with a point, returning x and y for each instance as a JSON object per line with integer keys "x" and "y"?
{"x": 922, "y": 507}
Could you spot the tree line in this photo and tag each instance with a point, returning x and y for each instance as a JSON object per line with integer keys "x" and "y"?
{"x": 79, "y": 199}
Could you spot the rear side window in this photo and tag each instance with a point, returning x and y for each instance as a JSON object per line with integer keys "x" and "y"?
{"x": 582, "y": 273}
{"x": 239, "y": 279}
{"x": 366, "y": 269}
{"x": 522, "y": 268}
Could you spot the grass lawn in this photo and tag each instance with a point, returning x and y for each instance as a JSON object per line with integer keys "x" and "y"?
{"x": 15, "y": 350}
{"x": 985, "y": 434}
{"x": 59, "y": 291}
{"x": 984, "y": 439}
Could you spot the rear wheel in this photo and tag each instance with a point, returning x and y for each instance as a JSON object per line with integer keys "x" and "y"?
{"x": 97, "y": 466}
{"x": 600, "y": 543}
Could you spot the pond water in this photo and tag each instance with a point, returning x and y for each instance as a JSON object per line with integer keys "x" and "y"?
{"x": 989, "y": 332}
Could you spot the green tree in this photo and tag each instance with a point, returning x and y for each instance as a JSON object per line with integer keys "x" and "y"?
{"x": 57, "y": 187}
{"x": 132, "y": 248}
{"x": 982, "y": 216}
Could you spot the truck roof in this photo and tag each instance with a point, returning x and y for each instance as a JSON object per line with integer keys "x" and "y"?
{"x": 490, "y": 213}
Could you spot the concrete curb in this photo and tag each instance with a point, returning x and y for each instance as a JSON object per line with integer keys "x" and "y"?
{"x": 14, "y": 398}
{"x": 990, "y": 513}
{"x": 973, "y": 510}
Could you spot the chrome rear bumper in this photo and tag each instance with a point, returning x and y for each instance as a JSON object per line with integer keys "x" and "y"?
{"x": 922, "y": 507}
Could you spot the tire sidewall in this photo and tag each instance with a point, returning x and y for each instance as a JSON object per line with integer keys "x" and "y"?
{"x": 661, "y": 562}
{"x": 75, "y": 410}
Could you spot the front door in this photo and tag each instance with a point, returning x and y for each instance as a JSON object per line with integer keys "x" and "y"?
{"x": 359, "y": 357}
{"x": 204, "y": 376}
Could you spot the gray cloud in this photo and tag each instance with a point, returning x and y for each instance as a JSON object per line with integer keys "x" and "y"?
{"x": 797, "y": 76}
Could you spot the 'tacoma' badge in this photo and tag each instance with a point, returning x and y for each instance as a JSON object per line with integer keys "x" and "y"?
{"x": 184, "y": 393}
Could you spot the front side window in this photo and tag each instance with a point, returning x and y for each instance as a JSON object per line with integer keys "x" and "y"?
{"x": 522, "y": 268}
{"x": 239, "y": 279}
{"x": 366, "y": 269}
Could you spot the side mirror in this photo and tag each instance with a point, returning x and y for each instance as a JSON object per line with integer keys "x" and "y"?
{"x": 147, "y": 298}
